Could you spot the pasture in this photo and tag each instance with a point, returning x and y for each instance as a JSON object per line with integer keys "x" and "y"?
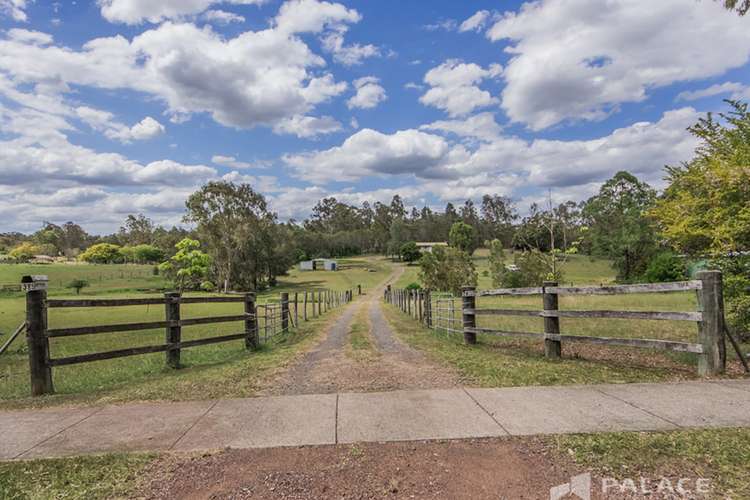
{"x": 209, "y": 371}
{"x": 500, "y": 361}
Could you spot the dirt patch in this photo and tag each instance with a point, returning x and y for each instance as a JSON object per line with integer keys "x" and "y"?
{"x": 489, "y": 468}
{"x": 393, "y": 366}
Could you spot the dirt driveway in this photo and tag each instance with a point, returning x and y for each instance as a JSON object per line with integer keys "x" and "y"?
{"x": 390, "y": 364}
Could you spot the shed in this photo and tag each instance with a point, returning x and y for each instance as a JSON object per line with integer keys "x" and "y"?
{"x": 318, "y": 264}
{"x": 427, "y": 246}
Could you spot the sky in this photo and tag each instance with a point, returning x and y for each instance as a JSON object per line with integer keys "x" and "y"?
{"x": 113, "y": 107}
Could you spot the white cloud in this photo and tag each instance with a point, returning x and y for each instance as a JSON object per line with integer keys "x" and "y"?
{"x": 475, "y": 22}
{"x": 313, "y": 16}
{"x": 575, "y": 59}
{"x": 267, "y": 77}
{"x": 148, "y": 128}
{"x": 498, "y": 163}
{"x": 222, "y": 17}
{"x": 443, "y": 24}
{"x": 103, "y": 121}
{"x": 370, "y": 152}
{"x": 369, "y": 93}
{"x": 348, "y": 55}
{"x": 15, "y": 9}
{"x": 153, "y": 11}
{"x": 454, "y": 87}
{"x": 481, "y": 126}
{"x": 230, "y": 161}
{"x": 308, "y": 126}
{"x": 737, "y": 91}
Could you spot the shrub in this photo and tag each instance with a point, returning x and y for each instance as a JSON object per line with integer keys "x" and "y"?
{"x": 78, "y": 284}
{"x": 532, "y": 268}
{"x": 666, "y": 266}
{"x": 207, "y": 286}
{"x": 463, "y": 237}
{"x": 447, "y": 269}
{"x": 102, "y": 253}
{"x": 410, "y": 252}
{"x": 24, "y": 252}
{"x": 413, "y": 286}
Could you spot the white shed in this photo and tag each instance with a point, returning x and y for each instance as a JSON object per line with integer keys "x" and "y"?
{"x": 318, "y": 264}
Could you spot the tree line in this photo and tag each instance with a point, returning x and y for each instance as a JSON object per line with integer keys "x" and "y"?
{"x": 701, "y": 218}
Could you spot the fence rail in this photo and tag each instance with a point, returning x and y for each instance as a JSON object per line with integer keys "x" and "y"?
{"x": 441, "y": 315}
{"x": 275, "y": 318}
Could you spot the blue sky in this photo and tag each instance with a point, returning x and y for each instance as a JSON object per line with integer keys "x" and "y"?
{"x": 126, "y": 106}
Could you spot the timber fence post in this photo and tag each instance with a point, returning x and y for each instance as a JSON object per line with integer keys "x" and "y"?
{"x": 38, "y": 343}
{"x": 428, "y": 308}
{"x": 251, "y": 322}
{"x": 468, "y": 304}
{"x": 296, "y": 311}
{"x": 359, "y": 289}
{"x": 284, "y": 311}
{"x": 552, "y": 348}
{"x": 173, "y": 333}
{"x": 304, "y": 307}
{"x": 711, "y": 329}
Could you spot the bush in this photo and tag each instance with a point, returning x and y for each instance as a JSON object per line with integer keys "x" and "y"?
{"x": 24, "y": 252}
{"x": 532, "y": 268}
{"x": 102, "y": 253}
{"x": 447, "y": 269}
{"x": 207, "y": 286}
{"x": 410, "y": 252}
{"x": 736, "y": 276}
{"x": 77, "y": 284}
{"x": 666, "y": 266}
{"x": 463, "y": 236}
{"x": 413, "y": 286}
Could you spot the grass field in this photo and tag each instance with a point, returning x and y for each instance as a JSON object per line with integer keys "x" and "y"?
{"x": 84, "y": 478}
{"x": 207, "y": 368}
{"x": 720, "y": 455}
{"x": 504, "y": 361}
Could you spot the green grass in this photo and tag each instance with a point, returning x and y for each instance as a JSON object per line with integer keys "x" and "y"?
{"x": 216, "y": 370}
{"x": 104, "y": 476}
{"x": 583, "y": 270}
{"x": 721, "y": 455}
{"x": 494, "y": 362}
{"x": 360, "y": 345}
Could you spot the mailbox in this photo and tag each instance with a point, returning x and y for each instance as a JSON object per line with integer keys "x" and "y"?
{"x": 34, "y": 282}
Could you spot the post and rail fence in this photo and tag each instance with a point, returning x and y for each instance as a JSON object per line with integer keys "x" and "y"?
{"x": 276, "y": 318}
{"x": 437, "y": 311}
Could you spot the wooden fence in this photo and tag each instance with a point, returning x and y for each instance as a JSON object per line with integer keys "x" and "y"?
{"x": 276, "y": 317}
{"x": 709, "y": 346}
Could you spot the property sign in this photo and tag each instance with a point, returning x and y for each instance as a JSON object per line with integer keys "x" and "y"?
{"x": 35, "y": 282}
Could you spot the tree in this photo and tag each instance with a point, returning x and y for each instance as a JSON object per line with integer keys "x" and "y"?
{"x": 148, "y": 254}
{"x": 235, "y": 223}
{"x": 619, "y": 227}
{"x": 78, "y": 284}
{"x": 706, "y": 206}
{"x": 102, "y": 253}
{"x": 447, "y": 269}
{"x": 740, "y": 6}
{"x": 705, "y": 209}
{"x": 137, "y": 230}
{"x": 24, "y": 252}
{"x": 498, "y": 216}
{"x": 497, "y": 262}
{"x": 410, "y": 252}
{"x": 189, "y": 267}
{"x": 463, "y": 237}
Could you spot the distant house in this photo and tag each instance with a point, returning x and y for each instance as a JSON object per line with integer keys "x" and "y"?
{"x": 42, "y": 259}
{"x": 427, "y": 246}
{"x": 318, "y": 264}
